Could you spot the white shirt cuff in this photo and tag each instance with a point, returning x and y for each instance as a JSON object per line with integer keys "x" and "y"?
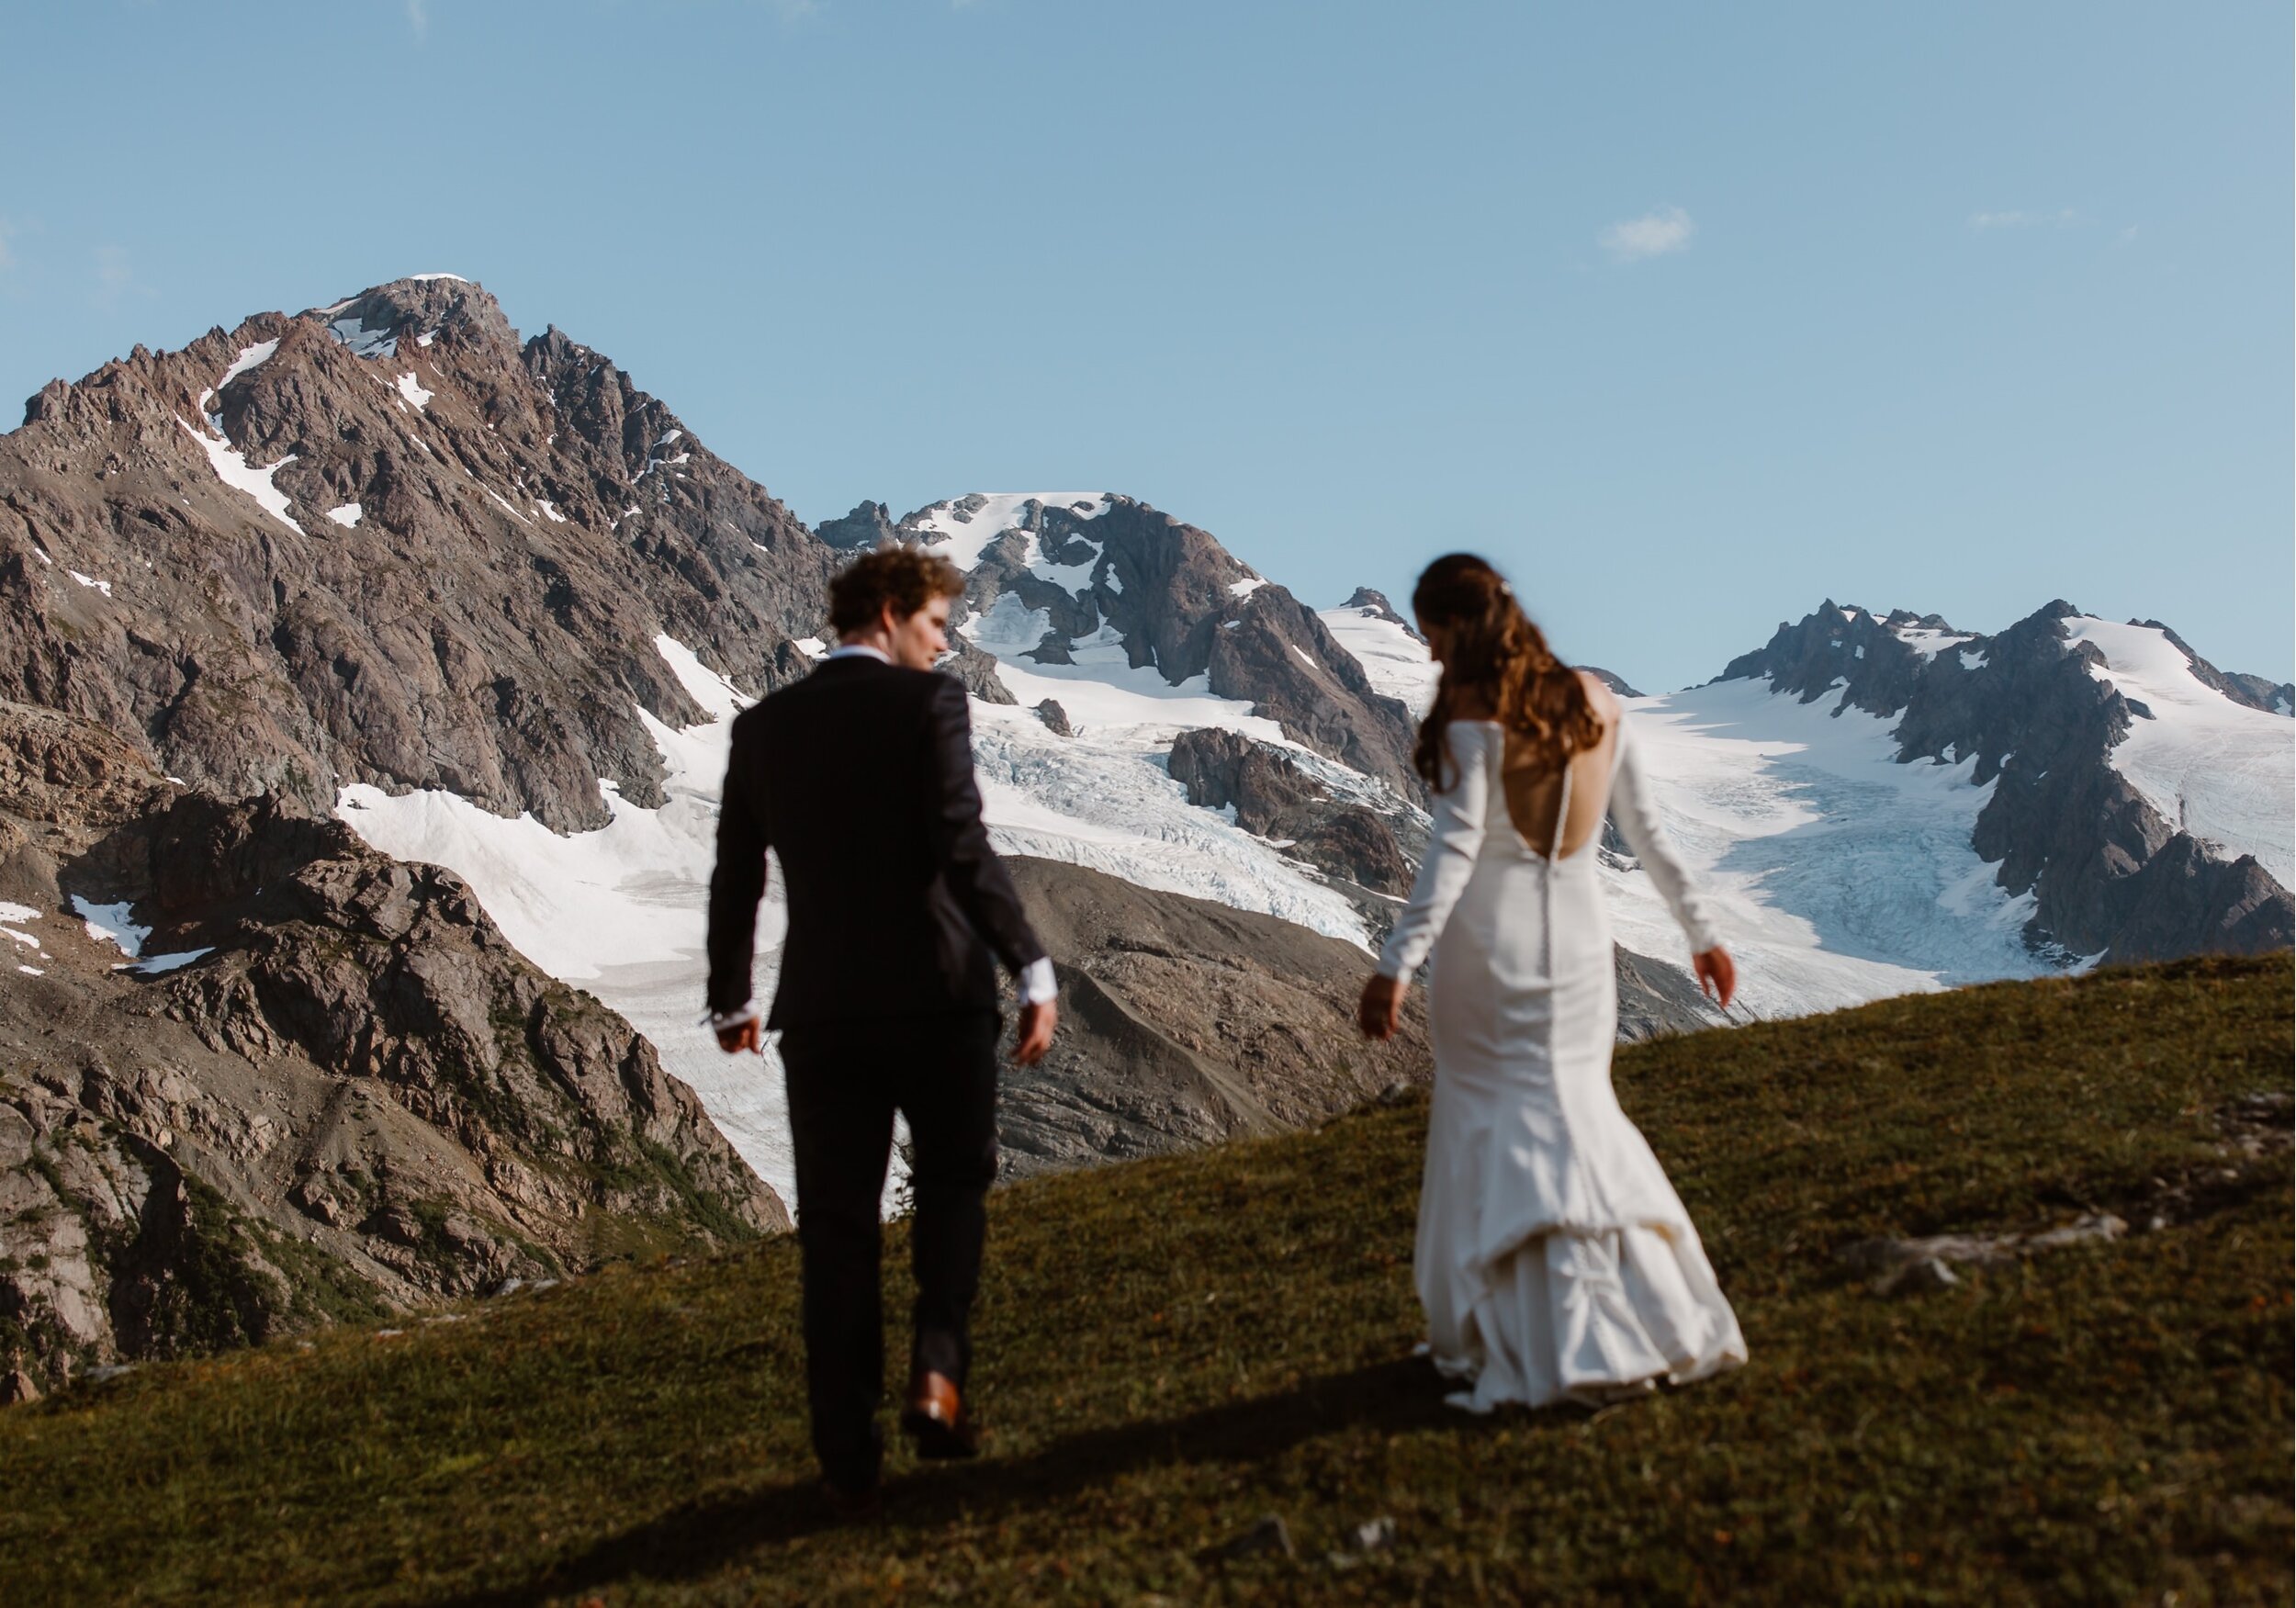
{"x": 720, "y": 1020}
{"x": 1037, "y": 985}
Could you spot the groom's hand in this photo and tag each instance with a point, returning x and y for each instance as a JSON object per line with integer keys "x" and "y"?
{"x": 1037, "y": 1022}
{"x": 750, "y": 1036}
{"x": 1381, "y": 1009}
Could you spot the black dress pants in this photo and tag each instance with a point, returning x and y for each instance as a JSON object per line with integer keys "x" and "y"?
{"x": 845, "y": 1081}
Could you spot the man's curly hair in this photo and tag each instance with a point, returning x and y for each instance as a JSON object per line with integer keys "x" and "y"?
{"x": 907, "y": 577}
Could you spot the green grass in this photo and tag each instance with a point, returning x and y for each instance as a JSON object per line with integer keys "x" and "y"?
{"x": 1171, "y": 1350}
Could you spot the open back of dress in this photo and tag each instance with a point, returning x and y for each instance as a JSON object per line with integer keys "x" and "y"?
{"x": 1558, "y": 810}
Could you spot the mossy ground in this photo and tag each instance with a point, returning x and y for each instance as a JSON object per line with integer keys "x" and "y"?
{"x": 1171, "y": 1350}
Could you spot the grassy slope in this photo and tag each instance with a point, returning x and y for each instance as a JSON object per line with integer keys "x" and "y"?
{"x": 1172, "y": 1349}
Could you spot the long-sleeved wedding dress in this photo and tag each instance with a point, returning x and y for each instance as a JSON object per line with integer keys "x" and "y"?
{"x": 1554, "y": 1259}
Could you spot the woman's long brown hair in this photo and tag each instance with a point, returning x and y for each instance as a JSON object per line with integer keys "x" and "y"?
{"x": 1491, "y": 647}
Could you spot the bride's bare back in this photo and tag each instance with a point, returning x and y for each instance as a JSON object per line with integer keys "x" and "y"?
{"x": 1535, "y": 790}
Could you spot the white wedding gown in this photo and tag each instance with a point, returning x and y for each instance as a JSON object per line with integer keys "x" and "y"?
{"x": 1554, "y": 1259}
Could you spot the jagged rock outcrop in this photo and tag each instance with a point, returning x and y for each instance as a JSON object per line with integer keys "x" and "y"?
{"x": 1274, "y": 798}
{"x": 1372, "y": 598}
{"x": 331, "y": 1087}
{"x": 386, "y": 542}
{"x": 2110, "y": 875}
{"x": 1853, "y": 650}
{"x": 870, "y": 524}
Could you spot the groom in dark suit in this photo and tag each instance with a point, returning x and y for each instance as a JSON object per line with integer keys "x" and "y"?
{"x": 860, "y": 778}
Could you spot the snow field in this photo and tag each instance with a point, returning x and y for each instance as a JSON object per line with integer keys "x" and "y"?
{"x": 2221, "y": 770}
{"x": 1839, "y": 875}
{"x": 1396, "y": 662}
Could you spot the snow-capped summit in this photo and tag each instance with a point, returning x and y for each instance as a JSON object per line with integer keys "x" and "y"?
{"x": 1391, "y": 650}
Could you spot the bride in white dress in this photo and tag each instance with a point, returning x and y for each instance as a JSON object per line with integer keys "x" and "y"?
{"x": 1554, "y": 1260}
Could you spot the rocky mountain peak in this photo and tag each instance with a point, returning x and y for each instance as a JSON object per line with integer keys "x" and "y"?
{"x": 419, "y": 310}
{"x": 1364, "y": 597}
{"x": 382, "y": 541}
{"x": 865, "y": 527}
{"x": 1874, "y": 660}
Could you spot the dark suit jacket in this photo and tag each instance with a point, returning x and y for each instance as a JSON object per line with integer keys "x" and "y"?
{"x": 860, "y": 778}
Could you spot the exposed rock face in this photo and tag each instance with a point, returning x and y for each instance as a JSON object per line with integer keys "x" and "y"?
{"x": 441, "y": 561}
{"x": 1184, "y": 1023}
{"x": 977, "y": 671}
{"x": 869, "y": 524}
{"x": 1849, "y": 648}
{"x": 353, "y": 1097}
{"x": 2110, "y": 875}
{"x": 1274, "y": 798}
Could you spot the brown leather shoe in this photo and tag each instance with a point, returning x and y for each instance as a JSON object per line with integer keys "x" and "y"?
{"x": 853, "y": 1507}
{"x": 935, "y": 1418}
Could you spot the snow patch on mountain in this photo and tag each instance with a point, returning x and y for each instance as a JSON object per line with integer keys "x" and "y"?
{"x": 232, "y": 469}
{"x": 962, "y": 529}
{"x": 113, "y": 923}
{"x": 1929, "y": 642}
{"x": 1396, "y": 661}
{"x": 704, "y": 685}
{"x": 2221, "y": 770}
{"x": 348, "y": 516}
{"x": 352, "y": 332}
{"x": 249, "y": 357}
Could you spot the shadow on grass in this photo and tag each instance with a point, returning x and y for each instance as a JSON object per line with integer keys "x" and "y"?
{"x": 696, "y": 1539}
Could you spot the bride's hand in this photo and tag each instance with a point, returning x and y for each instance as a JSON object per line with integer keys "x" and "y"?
{"x": 1718, "y": 976}
{"x": 1382, "y": 1009}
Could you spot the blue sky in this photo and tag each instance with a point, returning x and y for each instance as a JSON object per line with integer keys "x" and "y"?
{"x": 1689, "y": 315}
